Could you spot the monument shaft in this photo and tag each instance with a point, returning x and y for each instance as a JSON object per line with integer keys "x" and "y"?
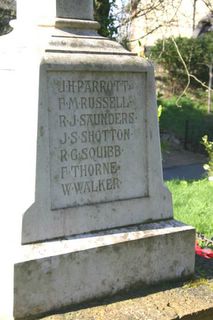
{"x": 74, "y": 9}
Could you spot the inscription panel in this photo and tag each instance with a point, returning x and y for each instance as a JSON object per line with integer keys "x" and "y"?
{"x": 97, "y": 129}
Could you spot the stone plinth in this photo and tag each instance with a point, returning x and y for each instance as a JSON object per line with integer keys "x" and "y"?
{"x": 61, "y": 274}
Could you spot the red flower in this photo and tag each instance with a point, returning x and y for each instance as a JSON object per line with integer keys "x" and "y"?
{"x": 205, "y": 253}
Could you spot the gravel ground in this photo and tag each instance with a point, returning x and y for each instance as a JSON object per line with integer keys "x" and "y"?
{"x": 180, "y": 157}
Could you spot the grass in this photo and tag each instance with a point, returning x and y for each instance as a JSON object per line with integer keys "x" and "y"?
{"x": 188, "y": 122}
{"x": 198, "y": 282}
{"x": 193, "y": 204}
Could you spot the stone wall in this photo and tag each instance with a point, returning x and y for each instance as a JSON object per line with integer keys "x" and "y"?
{"x": 153, "y": 20}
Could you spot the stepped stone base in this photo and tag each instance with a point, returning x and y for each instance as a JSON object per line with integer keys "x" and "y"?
{"x": 54, "y": 275}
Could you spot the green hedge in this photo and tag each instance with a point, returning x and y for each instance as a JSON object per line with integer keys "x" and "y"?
{"x": 197, "y": 54}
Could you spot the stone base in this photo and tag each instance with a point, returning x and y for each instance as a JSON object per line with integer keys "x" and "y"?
{"x": 54, "y": 275}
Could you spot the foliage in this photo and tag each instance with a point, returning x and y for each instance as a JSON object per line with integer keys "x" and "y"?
{"x": 160, "y": 108}
{"x": 5, "y": 17}
{"x": 190, "y": 121}
{"x": 196, "y": 53}
{"x": 209, "y": 149}
{"x": 193, "y": 205}
{"x": 103, "y": 14}
{"x": 7, "y": 13}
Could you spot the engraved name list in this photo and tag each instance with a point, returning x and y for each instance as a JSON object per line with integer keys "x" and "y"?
{"x": 95, "y": 120}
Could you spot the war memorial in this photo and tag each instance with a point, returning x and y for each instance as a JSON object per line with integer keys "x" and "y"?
{"x": 102, "y": 221}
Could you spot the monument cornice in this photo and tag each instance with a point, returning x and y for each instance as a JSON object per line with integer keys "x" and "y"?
{"x": 61, "y": 23}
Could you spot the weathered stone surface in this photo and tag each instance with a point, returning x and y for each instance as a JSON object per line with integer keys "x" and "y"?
{"x": 98, "y": 149}
{"x": 192, "y": 301}
{"x": 97, "y": 143}
{"x": 137, "y": 192}
{"x": 98, "y": 169}
{"x": 64, "y": 273}
{"x": 75, "y": 9}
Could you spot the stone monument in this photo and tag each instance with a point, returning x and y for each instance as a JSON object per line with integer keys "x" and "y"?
{"x": 102, "y": 220}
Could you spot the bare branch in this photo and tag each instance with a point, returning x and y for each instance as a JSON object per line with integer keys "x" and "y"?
{"x": 209, "y": 4}
{"x": 158, "y": 27}
{"x": 189, "y": 75}
{"x": 187, "y": 72}
{"x": 144, "y": 11}
{"x": 150, "y": 32}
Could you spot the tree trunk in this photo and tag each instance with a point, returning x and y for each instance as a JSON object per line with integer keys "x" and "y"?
{"x": 210, "y": 88}
{"x": 194, "y": 13}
